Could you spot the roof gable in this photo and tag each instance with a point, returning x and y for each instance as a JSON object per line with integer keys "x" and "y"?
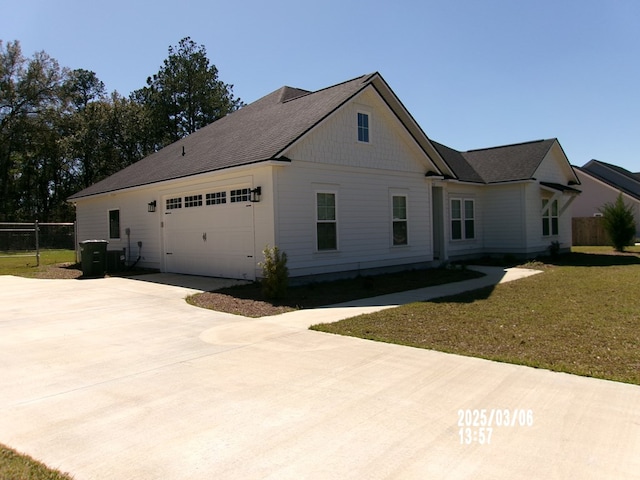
{"x": 507, "y": 163}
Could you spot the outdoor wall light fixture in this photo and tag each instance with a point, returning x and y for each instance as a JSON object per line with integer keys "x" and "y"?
{"x": 255, "y": 194}
{"x": 151, "y": 206}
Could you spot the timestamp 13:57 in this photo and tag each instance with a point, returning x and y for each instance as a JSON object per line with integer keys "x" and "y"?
{"x": 470, "y": 435}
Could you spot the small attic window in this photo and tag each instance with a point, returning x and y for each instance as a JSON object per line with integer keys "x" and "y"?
{"x": 363, "y": 127}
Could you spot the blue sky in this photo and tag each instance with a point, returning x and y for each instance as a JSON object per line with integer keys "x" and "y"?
{"x": 473, "y": 73}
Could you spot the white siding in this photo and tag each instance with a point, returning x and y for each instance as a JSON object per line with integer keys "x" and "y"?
{"x": 335, "y": 141}
{"x": 504, "y": 210}
{"x": 363, "y": 176}
{"x": 92, "y": 213}
{"x": 554, "y": 169}
{"x": 363, "y": 218}
{"x": 93, "y": 224}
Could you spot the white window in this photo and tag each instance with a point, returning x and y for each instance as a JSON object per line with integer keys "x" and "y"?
{"x": 549, "y": 217}
{"x": 462, "y": 219}
{"x": 114, "y": 224}
{"x": 363, "y": 127}
{"x": 326, "y": 224}
{"x": 192, "y": 201}
{"x": 399, "y": 220}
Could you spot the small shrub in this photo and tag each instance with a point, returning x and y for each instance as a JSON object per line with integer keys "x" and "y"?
{"x": 554, "y": 249}
{"x": 619, "y": 223}
{"x": 275, "y": 274}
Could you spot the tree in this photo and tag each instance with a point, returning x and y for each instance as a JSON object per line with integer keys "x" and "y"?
{"x": 619, "y": 223}
{"x": 29, "y": 102}
{"x": 185, "y": 94}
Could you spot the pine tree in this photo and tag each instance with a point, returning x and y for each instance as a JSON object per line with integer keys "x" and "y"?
{"x": 619, "y": 223}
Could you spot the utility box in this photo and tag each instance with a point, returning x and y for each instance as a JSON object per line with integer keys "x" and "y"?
{"x": 93, "y": 258}
{"x": 115, "y": 261}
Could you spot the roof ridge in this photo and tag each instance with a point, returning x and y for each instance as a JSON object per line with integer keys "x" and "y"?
{"x": 331, "y": 86}
{"x": 509, "y": 145}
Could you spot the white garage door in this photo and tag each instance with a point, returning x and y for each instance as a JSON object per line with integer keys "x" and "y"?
{"x": 210, "y": 233}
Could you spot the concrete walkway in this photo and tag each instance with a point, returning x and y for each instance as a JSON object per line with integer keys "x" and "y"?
{"x": 119, "y": 378}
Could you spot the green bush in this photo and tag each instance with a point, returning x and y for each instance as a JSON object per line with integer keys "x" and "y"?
{"x": 619, "y": 223}
{"x": 275, "y": 274}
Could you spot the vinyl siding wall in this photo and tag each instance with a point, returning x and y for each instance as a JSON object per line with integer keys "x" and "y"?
{"x": 504, "y": 213}
{"x": 364, "y": 178}
{"x": 552, "y": 169}
{"x": 92, "y": 213}
{"x": 93, "y": 224}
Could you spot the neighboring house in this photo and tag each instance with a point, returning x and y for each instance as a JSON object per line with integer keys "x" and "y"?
{"x": 602, "y": 183}
{"x": 341, "y": 179}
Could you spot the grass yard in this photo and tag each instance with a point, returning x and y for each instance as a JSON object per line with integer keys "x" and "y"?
{"x": 581, "y": 316}
{"x": 25, "y": 266}
{"x": 16, "y": 466}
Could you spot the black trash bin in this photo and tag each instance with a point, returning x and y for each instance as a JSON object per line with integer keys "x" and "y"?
{"x": 93, "y": 258}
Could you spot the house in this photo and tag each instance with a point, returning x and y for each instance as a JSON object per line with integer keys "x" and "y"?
{"x": 602, "y": 183}
{"x": 342, "y": 179}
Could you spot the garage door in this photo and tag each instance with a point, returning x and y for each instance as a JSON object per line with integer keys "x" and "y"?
{"x": 210, "y": 233}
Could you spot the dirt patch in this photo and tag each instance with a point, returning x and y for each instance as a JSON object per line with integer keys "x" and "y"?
{"x": 64, "y": 271}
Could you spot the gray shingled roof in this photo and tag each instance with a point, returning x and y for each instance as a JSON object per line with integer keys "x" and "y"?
{"x": 255, "y": 133}
{"x": 456, "y": 161}
{"x": 617, "y": 177}
{"x": 506, "y": 163}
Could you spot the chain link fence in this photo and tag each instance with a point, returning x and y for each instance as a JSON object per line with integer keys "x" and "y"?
{"x": 28, "y": 239}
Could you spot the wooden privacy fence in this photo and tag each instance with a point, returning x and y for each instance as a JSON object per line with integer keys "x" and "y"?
{"x": 589, "y": 231}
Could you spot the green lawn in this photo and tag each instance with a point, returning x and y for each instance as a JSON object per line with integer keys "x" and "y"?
{"x": 25, "y": 266}
{"x": 16, "y": 466}
{"x": 581, "y": 316}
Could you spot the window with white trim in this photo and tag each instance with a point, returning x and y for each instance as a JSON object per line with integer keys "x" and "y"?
{"x": 216, "y": 198}
{"x": 173, "y": 203}
{"x": 192, "y": 201}
{"x": 363, "y": 127}
{"x": 326, "y": 224}
{"x": 462, "y": 219}
{"x": 240, "y": 195}
{"x": 399, "y": 220}
{"x": 114, "y": 224}
{"x": 550, "y": 223}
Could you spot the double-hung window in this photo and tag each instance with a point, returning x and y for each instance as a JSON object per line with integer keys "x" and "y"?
{"x": 363, "y": 127}
{"x": 549, "y": 217}
{"x": 462, "y": 219}
{"x": 326, "y": 224}
{"x": 399, "y": 214}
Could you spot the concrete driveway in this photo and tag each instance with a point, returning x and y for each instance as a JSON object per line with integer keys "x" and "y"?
{"x": 120, "y": 378}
